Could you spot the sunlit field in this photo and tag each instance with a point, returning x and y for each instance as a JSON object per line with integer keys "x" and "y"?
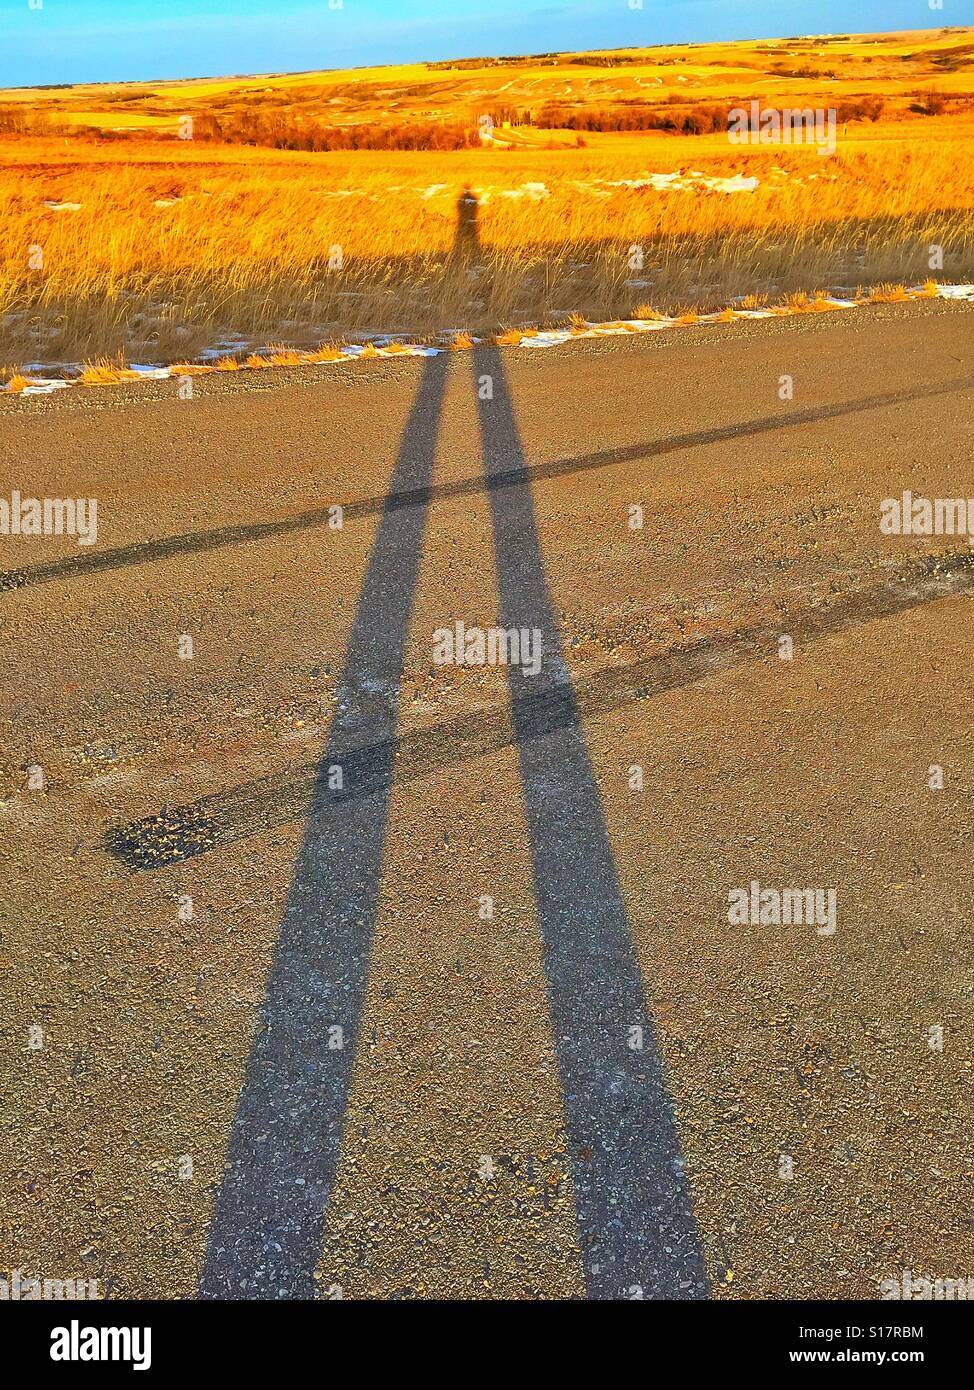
{"x": 122, "y": 240}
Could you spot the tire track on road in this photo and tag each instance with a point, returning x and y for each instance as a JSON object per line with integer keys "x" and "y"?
{"x": 168, "y": 547}
{"x": 175, "y": 834}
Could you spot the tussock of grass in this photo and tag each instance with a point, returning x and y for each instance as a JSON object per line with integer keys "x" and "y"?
{"x": 802, "y": 303}
{"x": 888, "y": 294}
{"x": 17, "y": 383}
{"x": 283, "y": 355}
{"x": 105, "y": 373}
{"x": 461, "y": 341}
{"x": 646, "y": 311}
{"x": 509, "y": 338}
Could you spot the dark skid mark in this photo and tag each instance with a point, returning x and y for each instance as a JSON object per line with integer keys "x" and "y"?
{"x": 268, "y": 1220}
{"x": 182, "y": 832}
{"x": 147, "y": 552}
{"x": 636, "y": 1226}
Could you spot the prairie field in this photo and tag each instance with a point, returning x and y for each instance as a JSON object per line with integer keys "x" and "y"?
{"x": 158, "y": 222}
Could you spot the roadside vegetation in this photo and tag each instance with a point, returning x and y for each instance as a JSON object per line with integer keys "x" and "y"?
{"x": 310, "y": 208}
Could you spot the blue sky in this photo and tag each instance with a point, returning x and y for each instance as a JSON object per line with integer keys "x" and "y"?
{"x": 116, "y": 40}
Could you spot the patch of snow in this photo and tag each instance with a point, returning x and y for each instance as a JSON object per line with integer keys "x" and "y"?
{"x": 549, "y": 339}
{"x": 535, "y": 191}
{"x": 738, "y": 183}
{"x": 43, "y": 386}
{"x": 151, "y": 372}
{"x": 691, "y": 182}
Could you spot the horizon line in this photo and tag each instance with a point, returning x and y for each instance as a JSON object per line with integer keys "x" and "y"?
{"x": 487, "y": 57}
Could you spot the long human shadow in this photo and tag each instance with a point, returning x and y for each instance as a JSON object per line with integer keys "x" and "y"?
{"x": 636, "y": 1226}
{"x": 268, "y": 1220}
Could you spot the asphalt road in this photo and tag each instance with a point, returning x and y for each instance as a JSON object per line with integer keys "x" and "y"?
{"x": 327, "y": 968}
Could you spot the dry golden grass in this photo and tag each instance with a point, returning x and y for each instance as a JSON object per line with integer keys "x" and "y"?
{"x": 177, "y": 246}
{"x": 888, "y": 294}
{"x": 283, "y": 356}
{"x": 325, "y": 354}
{"x": 801, "y": 303}
{"x": 105, "y": 373}
{"x": 246, "y": 248}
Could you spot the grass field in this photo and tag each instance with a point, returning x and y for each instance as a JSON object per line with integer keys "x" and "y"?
{"x": 122, "y": 240}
